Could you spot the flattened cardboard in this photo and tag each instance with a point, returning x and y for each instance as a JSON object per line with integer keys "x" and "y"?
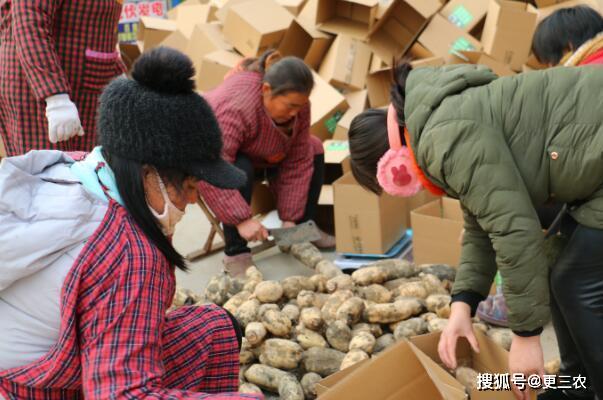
{"x": 303, "y": 41}
{"x": 400, "y": 372}
{"x": 441, "y": 38}
{"x": 327, "y": 108}
{"x": 346, "y": 63}
{"x": 491, "y": 359}
{"x": 476, "y": 57}
{"x": 437, "y": 227}
{"x": 395, "y": 33}
{"x": 214, "y": 67}
{"x": 350, "y": 17}
{"x": 369, "y": 224}
{"x": 206, "y": 38}
{"x": 293, "y": 6}
{"x": 357, "y": 101}
{"x": 153, "y": 31}
{"x": 466, "y": 14}
{"x": 508, "y": 31}
{"x": 188, "y": 15}
{"x": 253, "y": 27}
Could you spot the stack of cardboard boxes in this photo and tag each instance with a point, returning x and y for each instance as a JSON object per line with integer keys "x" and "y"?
{"x": 351, "y": 45}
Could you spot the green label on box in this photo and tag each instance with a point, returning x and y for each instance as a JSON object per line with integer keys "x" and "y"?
{"x": 461, "y": 44}
{"x": 331, "y": 123}
{"x": 461, "y": 17}
{"x": 338, "y": 145}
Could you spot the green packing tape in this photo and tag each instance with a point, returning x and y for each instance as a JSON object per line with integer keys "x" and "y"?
{"x": 460, "y": 17}
{"x": 331, "y": 123}
{"x": 461, "y": 44}
{"x": 338, "y": 145}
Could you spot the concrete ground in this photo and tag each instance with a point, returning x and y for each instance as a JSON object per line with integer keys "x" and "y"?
{"x": 192, "y": 231}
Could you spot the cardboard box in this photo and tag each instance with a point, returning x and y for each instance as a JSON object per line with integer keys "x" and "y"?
{"x": 350, "y": 17}
{"x": 262, "y": 200}
{"x": 293, "y": 6}
{"x": 384, "y": 6}
{"x": 548, "y": 3}
{"x": 508, "y": 31}
{"x": 253, "y": 27}
{"x": 377, "y": 64}
{"x": 491, "y": 359}
{"x": 419, "y": 52}
{"x": 304, "y": 41}
{"x": 327, "y": 108}
{"x": 466, "y": 14}
{"x": 176, "y": 40}
{"x": 308, "y": 12}
{"x": 205, "y": 39}
{"x": 153, "y": 31}
{"x": 129, "y": 53}
{"x": 441, "y": 38}
{"x": 187, "y": 15}
{"x": 437, "y": 227}
{"x": 400, "y": 372}
{"x": 395, "y": 33}
{"x": 224, "y": 6}
{"x": 378, "y": 84}
{"x": 346, "y": 63}
{"x": 476, "y": 57}
{"x": 428, "y": 62}
{"x": 369, "y": 224}
{"x": 357, "y": 101}
{"x": 214, "y": 67}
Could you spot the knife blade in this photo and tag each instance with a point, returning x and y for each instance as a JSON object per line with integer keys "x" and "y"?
{"x": 300, "y": 233}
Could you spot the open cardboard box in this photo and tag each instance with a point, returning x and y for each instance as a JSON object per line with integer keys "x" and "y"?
{"x": 152, "y": 31}
{"x": 350, "y": 17}
{"x": 402, "y": 371}
{"x": 437, "y": 228}
{"x": 306, "y": 42}
{"x": 346, "y": 63}
{"x": 293, "y": 6}
{"x": 205, "y": 39}
{"x": 176, "y": 40}
{"x": 327, "y": 108}
{"x": 395, "y": 33}
{"x": 189, "y": 14}
{"x": 480, "y": 58}
{"x": 256, "y": 26}
{"x": 508, "y": 31}
{"x": 366, "y": 223}
{"x": 357, "y": 101}
{"x": 214, "y": 66}
{"x": 441, "y": 38}
{"x": 466, "y": 14}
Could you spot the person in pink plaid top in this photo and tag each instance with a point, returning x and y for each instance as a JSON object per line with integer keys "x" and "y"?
{"x": 87, "y": 265}
{"x": 264, "y": 111}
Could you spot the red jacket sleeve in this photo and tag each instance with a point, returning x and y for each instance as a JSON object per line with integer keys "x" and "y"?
{"x": 229, "y": 205}
{"x": 121, "y": 345}
{"x": 295, "y": 172}
{"x": 33, "y": 33}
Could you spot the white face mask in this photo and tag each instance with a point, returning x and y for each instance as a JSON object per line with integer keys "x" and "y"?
{"x": 171, "y": 214}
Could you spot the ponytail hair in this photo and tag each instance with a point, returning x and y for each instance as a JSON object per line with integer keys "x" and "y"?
{"x": 283, "y": 74}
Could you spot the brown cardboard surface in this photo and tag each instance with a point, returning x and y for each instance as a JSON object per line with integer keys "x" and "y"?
{"x": 508, "y": 31}
{"x": 491, "y": 359}
{"x": 369, "y": 224}
{"x": 262, "y": 200}
{"x": 206, "y": 38}
{"x": 152, "y": 31}
{"x": 326, "y": 196}
{"x": 308, "y": 12}
{"x": 306, "y": 42}
{"x": 441, "y": 38}
{"x": 419, "y": 52}
{"x": 346, "y": 64}
{"x": 187, "y": 15}
{"x": 357, "y": 101}
{"x": 548, "y": 3}
{"x": 350, "y": 17}
{"x": 213, "y": 68}
{"x": 223, "y": 8}
{"x": 176, "y": 40}
{"x": 396, "y": 31}
{"x": 293, "y": 6}
{"x": 256, "y": 26}
{"x": 378, "y": 84}
{"x": 437, "y": 227}
{"x": 476, "y": 57}
{"x": 400, "y": 372}
{"x": 336, "y": 151}
{"x": 466, "y": 14}
{"x": 327, "y": 108}
{"x": 428, "y": 62}
{"x": 129, "y": 53}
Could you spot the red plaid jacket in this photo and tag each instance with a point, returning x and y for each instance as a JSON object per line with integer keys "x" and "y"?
{"x": 116, "y": 341}
{"x": 49, "y": 47}
{"x": 247, "y": 128}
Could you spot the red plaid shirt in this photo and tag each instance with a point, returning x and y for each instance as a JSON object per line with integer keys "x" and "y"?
{"x": 49, "y": 47}
{"x": 247, "y": 128}
{"x": 116, "y": 341}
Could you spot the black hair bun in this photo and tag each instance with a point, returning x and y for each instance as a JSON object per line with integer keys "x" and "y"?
{"x": 165, "y": 70}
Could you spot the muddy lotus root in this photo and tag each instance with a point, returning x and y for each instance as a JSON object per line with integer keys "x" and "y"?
{"x": 308, "y": 383}
{"x": 255, "y": 332}
{"x": 292, "y": 312}
{"x": 363, "y": 341}
{"x": 501, "y": 336}
{"x": 339, "y": 336}
{"x": 353, "y": 357}
{"x": 328, "y": 269}
{"x": 412, "y": 289}
{"x": 433, "y": 284}
{"x": 437, "y": 301}
{"x": 467, "y": 377}
{"x": 217, "y": 289}
{"x": 265, "y": 307}
{"x": 375, "y": 293}
{"x": 480, "y": 326}
{"x": 249, "y": 388}
{"x": 246, "y": 356}
{"x": 281, "y": 353}
{"x": 350, "y": 310}
{"x": 247, "y": 312}
{"x": 383, "y": 271}
{"x": 436, "y": 324}
{"x": 292, "y": 285}
{"x": 329, "y": 310}
{"x": 290, "y": 389}
{"x": 324, "y": 362}
{"x": 442, "y": 271}
{"x": 409, "y": 328}
{"x": 373, "y": 329}
{"x": 235, "y": 301}
{"x": 384, "y": 342}
{"x": 311, "y": 317}
{"x": 265, "y": 377}
{"x": 308, "y": 338}
{"x": 277, "y": 323}
{"x": 393, "y": 312}
{"x": 268, "y": 291}
{"x": 320, "y": 282}
{"x": 552, "y": 367}
{"x": 307, "y": 253}
{"x": 340, "y": 282}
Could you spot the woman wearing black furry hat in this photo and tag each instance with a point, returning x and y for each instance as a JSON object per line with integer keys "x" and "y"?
{"x": 88, "y": 280}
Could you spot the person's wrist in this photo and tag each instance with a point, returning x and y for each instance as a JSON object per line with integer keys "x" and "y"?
{"x": 61, "y": 98}
{"x": 460, "y": 308}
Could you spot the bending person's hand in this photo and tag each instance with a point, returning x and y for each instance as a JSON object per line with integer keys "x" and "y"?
{"x": 459, "y": 325}
{"x": 252, "y": 230}
{"x": 63, "y": 118}
{"x": 526, "y": 358}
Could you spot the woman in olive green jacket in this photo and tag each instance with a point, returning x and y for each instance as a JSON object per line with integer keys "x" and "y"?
{"x": 504, "y": 147}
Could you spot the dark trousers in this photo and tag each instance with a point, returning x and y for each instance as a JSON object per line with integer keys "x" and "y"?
{"x": 576, "y": 283}
{"x": 234, "y": 243}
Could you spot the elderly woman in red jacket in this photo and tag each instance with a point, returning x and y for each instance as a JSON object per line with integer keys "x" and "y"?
{"x": 264, "y": 114}
{"x": 55, "y": 58}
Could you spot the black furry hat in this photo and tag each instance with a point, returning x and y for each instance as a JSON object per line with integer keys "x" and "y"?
{"x": 157, "y": 118}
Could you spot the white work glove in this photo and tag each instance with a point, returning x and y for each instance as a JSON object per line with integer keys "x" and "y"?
{"x": 63, "y": 118}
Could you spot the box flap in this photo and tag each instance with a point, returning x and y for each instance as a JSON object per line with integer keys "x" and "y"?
{"x": 224, "y": 7}
{"x": 442, "y": 37}
{"x": 327, "y": 107}
{"x": 176, "y": 40}
{"x": 427, "y": 8}
{"x": 336, "y": 151}
{"x": 190, "y": 15}
{"x": 326, "y": 196}
{"x": 428, "y": 62}
{"x": 266, "y": 16}
{"x": 158, "y": 23}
